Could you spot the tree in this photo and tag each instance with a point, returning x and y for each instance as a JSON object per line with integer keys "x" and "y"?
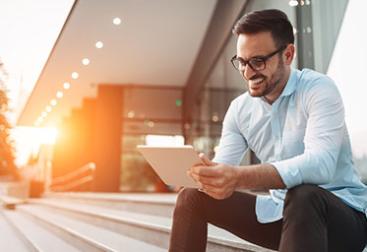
{"x": 7, "y": 166}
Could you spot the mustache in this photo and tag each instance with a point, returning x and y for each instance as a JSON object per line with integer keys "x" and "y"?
{"x": 257, "y": 76}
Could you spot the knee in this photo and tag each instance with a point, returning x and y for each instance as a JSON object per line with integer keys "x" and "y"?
{"x": 304, "y": 198}
{"x": 188, "y": 198}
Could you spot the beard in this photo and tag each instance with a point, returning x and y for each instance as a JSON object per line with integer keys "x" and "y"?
{"x": 268, "y": 83}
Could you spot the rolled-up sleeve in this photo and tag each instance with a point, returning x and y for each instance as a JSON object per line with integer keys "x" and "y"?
{"x": 232, "y": 145}
{"x": 323, "y": 138}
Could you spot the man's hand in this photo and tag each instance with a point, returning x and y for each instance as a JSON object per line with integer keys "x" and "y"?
{"x": 217, "y": 180}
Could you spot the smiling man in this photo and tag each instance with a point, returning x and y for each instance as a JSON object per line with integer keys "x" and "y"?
{"x": 294, "y": 122}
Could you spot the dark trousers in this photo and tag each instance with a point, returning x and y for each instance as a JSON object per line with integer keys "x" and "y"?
{"x": 313, "y": 220}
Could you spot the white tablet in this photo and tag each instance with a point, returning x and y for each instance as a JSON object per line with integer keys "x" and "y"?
{"x": 171, "y": 163}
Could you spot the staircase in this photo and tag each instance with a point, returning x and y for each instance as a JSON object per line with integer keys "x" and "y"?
{"x": 100, "y": 222}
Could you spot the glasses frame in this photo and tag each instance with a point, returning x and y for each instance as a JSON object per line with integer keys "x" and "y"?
{"x": 257, "y": 58}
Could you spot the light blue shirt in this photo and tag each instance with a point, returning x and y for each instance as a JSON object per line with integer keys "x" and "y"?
{"x": 302, "y": 134}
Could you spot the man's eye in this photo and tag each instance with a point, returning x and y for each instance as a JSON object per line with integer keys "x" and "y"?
{"x": 256, "y": 62}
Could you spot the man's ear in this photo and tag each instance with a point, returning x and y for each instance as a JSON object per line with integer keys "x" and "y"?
{"x": 289, "y": 53}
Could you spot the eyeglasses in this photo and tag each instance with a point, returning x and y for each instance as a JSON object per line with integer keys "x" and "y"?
{"x": 256, "y": 63}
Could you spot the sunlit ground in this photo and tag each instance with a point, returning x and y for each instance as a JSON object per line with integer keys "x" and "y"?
{"x": 29, "y": 139}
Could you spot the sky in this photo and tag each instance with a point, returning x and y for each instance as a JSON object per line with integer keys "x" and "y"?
{"x": 28, "y": 30}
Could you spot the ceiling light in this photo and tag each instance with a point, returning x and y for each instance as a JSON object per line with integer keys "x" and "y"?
{"x": 66, "y": 85}
{"x": 150, "y": 124}
{"x": 44, "y": 114}
{"x": 131, "y": 114}
{"x": 48, "y": 109}
{"x": 99, "y": 44}
{"x": 85, "y": 61}
{"x": 116, "y": 21}
{"x": 59, "y": 94}
{"x": 74, "y": 75}
{"x": 293, "y": 3}
{"x": 53, "y": 102}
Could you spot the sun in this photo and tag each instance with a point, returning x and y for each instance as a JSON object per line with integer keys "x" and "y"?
{"x": 29, "y": 139}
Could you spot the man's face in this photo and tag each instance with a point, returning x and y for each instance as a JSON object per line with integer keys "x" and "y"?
{"x": 269, "y": 82}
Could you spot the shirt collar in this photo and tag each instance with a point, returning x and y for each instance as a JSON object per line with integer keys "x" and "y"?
{"x": 291, "y": 85}
{"x": 289, "y": 88}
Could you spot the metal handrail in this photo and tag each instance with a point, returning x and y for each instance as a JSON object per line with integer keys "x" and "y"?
{"x": 71, "y": 180}
{"x": 74, "y": 184}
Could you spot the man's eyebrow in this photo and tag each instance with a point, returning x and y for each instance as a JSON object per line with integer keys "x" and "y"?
{"x": 253, "y": 57}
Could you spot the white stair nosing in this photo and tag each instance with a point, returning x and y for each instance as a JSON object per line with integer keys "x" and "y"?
{"x": 137, "y": 223}
{"x": 69, "y": 231}
{"x": 19, "y": 234}
{"x": 134, "y": 198}
{"x": 34, "y": 242}
{"x": 242, "y": 244}
{"x": 30, "y": 244}
{"x": 37, "y": 213}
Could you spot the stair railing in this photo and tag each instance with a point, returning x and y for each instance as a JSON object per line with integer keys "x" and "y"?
{"x": 75, "y": 180}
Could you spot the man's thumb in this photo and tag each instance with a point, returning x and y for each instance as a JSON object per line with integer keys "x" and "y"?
{"x": 205, "y": 159}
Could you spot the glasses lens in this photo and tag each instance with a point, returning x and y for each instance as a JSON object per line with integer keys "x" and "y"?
{"x": 257, "y": 63}
{"x": 237, "y": 63}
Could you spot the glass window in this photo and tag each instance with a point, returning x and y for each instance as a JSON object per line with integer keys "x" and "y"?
{"x": 350, "y": 47}
{"x": 222, "y": 86}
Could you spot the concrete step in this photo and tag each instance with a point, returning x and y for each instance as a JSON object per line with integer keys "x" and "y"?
{"x": 10, "y": 239}
{"x": 10, "y": 203}
{"x": 161, "y": 204}
{"x": 149, "y": 228}
{"x": 35, "y": 236}
{"x": 85, "y": 236}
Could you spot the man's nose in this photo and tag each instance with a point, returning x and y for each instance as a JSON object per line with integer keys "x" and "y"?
{"x": 247, "y": 72}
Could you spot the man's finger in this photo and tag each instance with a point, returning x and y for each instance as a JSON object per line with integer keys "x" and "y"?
{"x": 205, "y": 171}
{"x": 212, "y": 194}
{"x": 210, "y": 188}
{"x": 206, "y": 160}
{"x": 210, "y": 181}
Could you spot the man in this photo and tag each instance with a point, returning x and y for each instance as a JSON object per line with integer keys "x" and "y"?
{"x": 294, "y": 122}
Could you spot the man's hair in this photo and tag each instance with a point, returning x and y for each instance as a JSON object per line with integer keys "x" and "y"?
{"x": 274, "y": 21}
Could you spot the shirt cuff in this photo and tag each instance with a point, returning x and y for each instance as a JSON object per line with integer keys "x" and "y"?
{"x": 290, "y": 175}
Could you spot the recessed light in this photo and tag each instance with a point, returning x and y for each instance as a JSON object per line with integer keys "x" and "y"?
{"x": 59, "y": 94}
{"x": 99, "y": 44}
{"x": 44, "y": 114}
{"x": 48, "y": 109}
{"x": 116, "y": 21}
{"x": 85, "y": 61}
{"x": 53, "y": 102}
{"x": 293, "y": 3}
{"x": 150, "y": 124}
{"x": 66, "y": 85}
{"x": 131, "y": 114}
{"x": 74, "y": 75}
